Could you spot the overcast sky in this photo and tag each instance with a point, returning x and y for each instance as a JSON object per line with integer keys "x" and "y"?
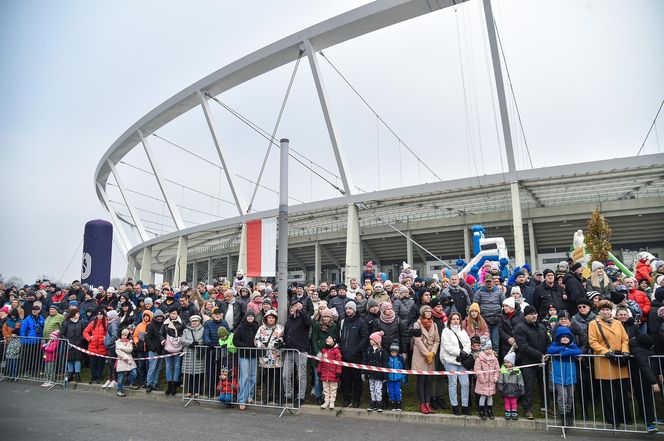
{"x": 587, "y": 78}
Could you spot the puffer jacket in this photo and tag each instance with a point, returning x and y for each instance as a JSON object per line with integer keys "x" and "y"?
{"x": 449, "y": 344}
{"x": 642, "y": 299}
{"x": 402, "y": 308}
{"x": 353, "y": 338}
{"x": 94, "y": 333}
{"x": 329, "y": 371}
{"x": 510, "y": 382}
{"x": 583, "y": 322}
{"x": 491, "y": 303}
{"x": 194, "y": 356}
{"x": 73, "y": 332}
{"x": 31, "y": 327}
{"x": 486, "y": 381}
{"x": 141, "y": 332}
{"x": 563, "y": 364}
{"x": 375, "y": 357}
{"x": 532, "y": 340}
{"x": 397, "y": 330}
{"x": 125, "y": 362}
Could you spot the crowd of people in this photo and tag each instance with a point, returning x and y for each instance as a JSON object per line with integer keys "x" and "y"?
{"x": 502, "y": 329}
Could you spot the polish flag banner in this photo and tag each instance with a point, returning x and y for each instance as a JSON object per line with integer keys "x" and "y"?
{"x": 262, "y": 248}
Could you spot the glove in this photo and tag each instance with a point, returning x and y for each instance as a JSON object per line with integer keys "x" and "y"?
{"x": 429, "y": 357}
{"x": 462, "y": 355}
{"x": 626, "y": 354}
{"x": 610, "y": 355}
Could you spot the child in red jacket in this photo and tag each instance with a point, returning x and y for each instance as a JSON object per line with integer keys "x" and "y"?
{"x": 329, "y": 372}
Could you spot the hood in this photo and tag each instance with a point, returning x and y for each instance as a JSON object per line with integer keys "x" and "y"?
{"x": 148, "y": 313}
{"x": 564, "y": 331}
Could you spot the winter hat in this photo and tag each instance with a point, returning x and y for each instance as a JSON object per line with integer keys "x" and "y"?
{"x": 5, "y": 309}
{"x": 55, "y": 334}
{"x": 515, "y": 289}
{"x": 475, "y": 340}
{"x": 583, "y": 301}
{"x": 425, "y": 308}
{"x": 547, "y": 271}
{"x": 434, "y": 302}
{"x": 645, "y": 341}
{"x": 351, "y": 305}
{"x": 659, "y": 264}
{"x": 394, "y": 346}
{"x": 56, "y": 307}
{"x": 485, "y": 343}
{"x": 222, "y": 332}
{"x": 112, "y": 314}
{"x": 271, "y": 312}
{"x": 659, "y": 294}
{"x": 158, "y": 313}
{"x": 659, "y": 279}
{"x": 592, "y": 294}
{"x": 125, "y": 332}
{"x": 267, "y": 301}
{"x": 510, "y": 358}
{"x": 563, "y": 314}
{"x": 254, "y": 295}
{"x": 474, "y": 307}
{"x": 73, "y": 304}
{"x": 371, "y": 303}
{"x": 148, "y": 301}
{"x": 369, "y": 264}
{"x": 377, "y": 337}
{"x": 617, "y": 297}
{"x": 470, "y": 279}
{"x": 334, "y": 339}
{"x": 596, "y": 265}
{"x": 326, "y": 313}
{"x": 604, "y": 304}
{"x": 575, "y": 266}
{"x": 509, "y": 302}
{"x": 529, "y": 310}
{"x": 195, "y": 318}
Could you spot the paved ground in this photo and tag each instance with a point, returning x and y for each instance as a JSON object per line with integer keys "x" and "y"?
{"x": 84, "y": 415}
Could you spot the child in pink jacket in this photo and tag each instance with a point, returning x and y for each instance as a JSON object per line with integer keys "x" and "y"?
{"x": 51, "y": 358}
{"x": 485, "y": 385}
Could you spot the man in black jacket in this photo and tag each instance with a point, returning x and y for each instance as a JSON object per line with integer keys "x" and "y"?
{"x": 532, "y": 341}
{"x": 574, "y": 290}
{"x": 353, "y": 337}
{"x": 460, "y": 297}
{"x": 230, "y": 303}
{"x": 646, "y": 383}
{"x": 153, "y": 343}
{"x": 296, "y": 336}
{"x": 549, "y": 293}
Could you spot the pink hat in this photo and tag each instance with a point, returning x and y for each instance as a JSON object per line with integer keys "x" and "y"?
{"x": 5, "y": 309}
{"x": 377, "y": 337}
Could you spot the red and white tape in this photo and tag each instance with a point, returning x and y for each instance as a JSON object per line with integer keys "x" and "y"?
{"x": 410, "y": 371}
{"x": 85, "y": 351}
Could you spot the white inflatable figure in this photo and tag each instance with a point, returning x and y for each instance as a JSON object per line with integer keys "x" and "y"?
{"x": 646, "y": 255}
{"x": 579, "y": 254}
{"x": 578, "y": 239}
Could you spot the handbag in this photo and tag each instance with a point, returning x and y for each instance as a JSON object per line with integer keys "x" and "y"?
{"x": 464, "y": 358}
{"x": 612, "y": 360}
{"x": 173, "y": 345}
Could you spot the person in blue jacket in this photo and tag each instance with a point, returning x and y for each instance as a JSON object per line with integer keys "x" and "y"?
{"x": 563, "y": 370}
{"x": 394, "y": 380}
{"x": 32, "y": 330}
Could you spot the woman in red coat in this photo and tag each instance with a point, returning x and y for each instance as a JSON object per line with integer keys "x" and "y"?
{"x": 329, "y": 372}
{"x": 94, "y": 333}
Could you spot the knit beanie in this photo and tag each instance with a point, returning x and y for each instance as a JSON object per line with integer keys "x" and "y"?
{"x": 222, "y": 332}
{"x": 394, "y": 347}
{"x": 510, "y": 358}
{"x": 529, "y": 310}
{"x": 485, "y": 343}
{"x": 377, "y": 337}
{"x": 351, "y": 305}
{"x": 596, "y": 265}
{"x": 509, "y": 302}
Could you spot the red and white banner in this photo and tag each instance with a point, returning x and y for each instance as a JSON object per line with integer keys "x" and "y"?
{"x": 262, "y": 248}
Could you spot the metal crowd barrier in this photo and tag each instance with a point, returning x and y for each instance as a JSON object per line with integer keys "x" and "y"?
{"x": 37, "y": 359}
{"x": 248, "y": 377}
{"x": 616, "y": 399}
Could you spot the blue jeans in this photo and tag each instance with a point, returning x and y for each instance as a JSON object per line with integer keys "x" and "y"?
{"x": 132, "y": 378}
{"x": 495, "y": 337}
{"x": 247, "y": 379}
{"x": 154, "y": 366}
{"x": 173, "y": 368}
{"x": 318, "y": 386}
{"x": 12, "y": 367}
{"x": 394, "y": 390}
{"x": 74, "y": 366}
{"x": 452, "y": 385}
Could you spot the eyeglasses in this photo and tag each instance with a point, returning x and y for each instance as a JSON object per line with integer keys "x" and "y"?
{"x": 582, "y": 306}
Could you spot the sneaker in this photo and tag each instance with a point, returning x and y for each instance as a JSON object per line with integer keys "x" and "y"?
{"x": 134, "y": 387}
{"x": 652, "y": 428}
{"x": 112, "y": 384}
{"x": 45, "y": 384}
{"x": 508, "y": 416}
{"x": 529, "y": 415}
{"x": 107, "y": 384}
{"x": 121, "y": 394}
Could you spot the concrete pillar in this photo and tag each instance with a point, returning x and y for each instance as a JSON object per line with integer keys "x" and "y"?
{"x": 194, "y": 274}
{"x": 409, "y": 249}
{"x": 130, "y": 268}
{"x": 353, "y": 245}
{"x": 466, "y": 244}
{"x": 533, "y": 245}
{"x": 146, "y": 266}
{"x": 210, "y": 276}
{"x": 153, "y": 276}
{"x": 229, "y": 269}
{"x": 317, "y": 264}
{"x": 517, "y": 225}
{"x": 180, "y": 271}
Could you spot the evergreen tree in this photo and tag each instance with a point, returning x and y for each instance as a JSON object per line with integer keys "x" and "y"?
{"x": 597, "y": 238}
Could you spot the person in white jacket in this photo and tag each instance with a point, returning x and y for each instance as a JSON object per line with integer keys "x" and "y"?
{"x": 453, "y": 342}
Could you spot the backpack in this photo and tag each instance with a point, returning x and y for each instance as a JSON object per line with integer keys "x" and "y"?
{"x": 635, "y": 309}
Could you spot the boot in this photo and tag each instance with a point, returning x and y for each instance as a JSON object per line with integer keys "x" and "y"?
{"x": 455, "y": 410}
{"x": 489, "y": 412}
{"x": 379, "y": 406}
{"x": 397, "y": 406}
{"x": 78, "y": 377}
{"x": 371, "y": 407}
{"x": 563, "y": 419}
{"x": 465, "y": 410}
{"x": 356, "y": 404}
{"x": 428, "y": 406}
{"x": 482, "y": 413}
{"x": 423, "y": 409}
{"x": 176, "y": 384}
{"x": 569, "y": 419}
{"x": 169, "y": 388}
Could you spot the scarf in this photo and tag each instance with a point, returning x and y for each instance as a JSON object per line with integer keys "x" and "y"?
{"x": 384, "y": 317}
{"x": 74, "y": 320}
{"x": 440, "y": 316}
